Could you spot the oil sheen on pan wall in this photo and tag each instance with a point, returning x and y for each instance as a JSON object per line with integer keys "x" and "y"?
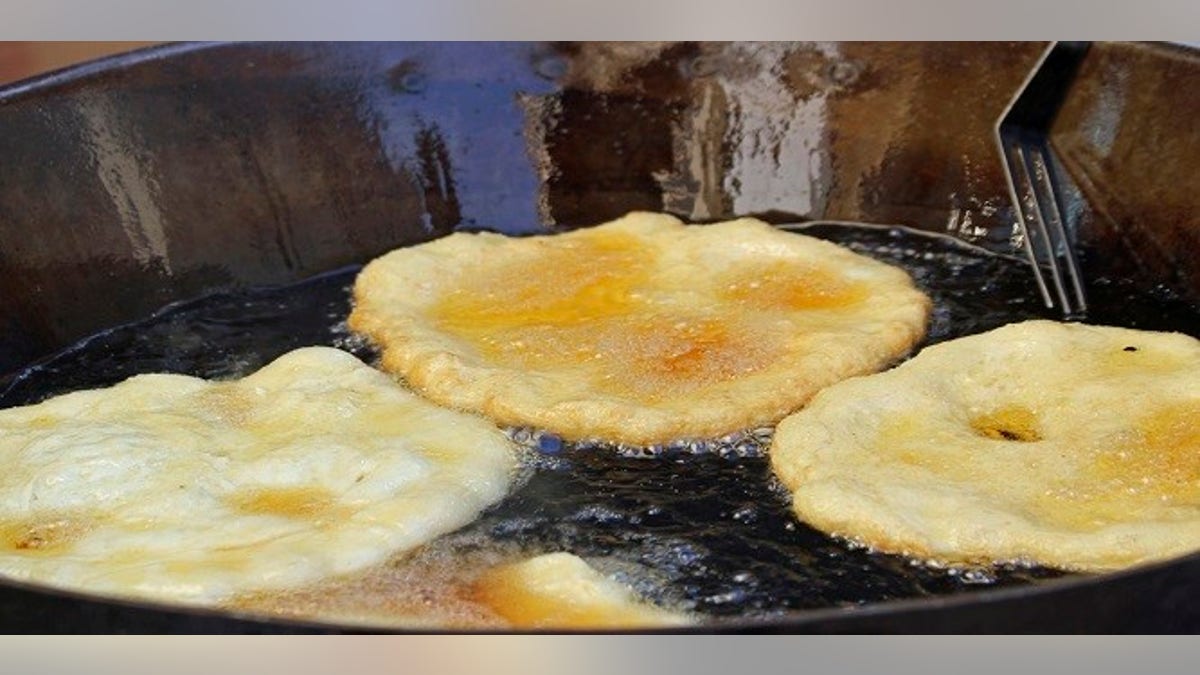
{"x": 182, "y": 169}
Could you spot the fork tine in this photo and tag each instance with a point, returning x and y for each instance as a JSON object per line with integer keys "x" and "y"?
{"x": 1010, "y": 173}
{"x": 1028, "y": 174}
{"x": 1033, "y": 188}
{"x": 1054, "y": 214}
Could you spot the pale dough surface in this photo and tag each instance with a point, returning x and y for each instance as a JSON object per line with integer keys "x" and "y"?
{"x": 641, "y": 330}
{"x": 175, "y": 488}
{"x": 1069, "y": 445}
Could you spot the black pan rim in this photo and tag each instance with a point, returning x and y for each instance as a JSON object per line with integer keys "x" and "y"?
{"x": 830, "y": 619}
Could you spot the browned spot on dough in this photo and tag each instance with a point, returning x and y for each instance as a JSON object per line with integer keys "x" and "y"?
{"x": 1155, "y": 465}
{"x": 580, "y": 306}
{"x": 683, "y": 354}
{"x": 1009, "y": 423}
{"x": 791, "y": 286}
{"x": 569, "y": 281}
{"x": 47, "y": 535}
{"x": 541, "y": 593}
{"x": 1163, "y": 457}
{"x": 297, "y": 502}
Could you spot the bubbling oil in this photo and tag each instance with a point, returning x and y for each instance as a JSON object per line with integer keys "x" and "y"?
{"x": 697, "y": 525}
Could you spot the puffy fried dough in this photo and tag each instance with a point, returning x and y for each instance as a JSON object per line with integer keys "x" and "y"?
{"x": 174, "y": 488}
{"x": 1068, "y": 445}
{"x": 560, "y": 590}
{"x": 641, "y": 330}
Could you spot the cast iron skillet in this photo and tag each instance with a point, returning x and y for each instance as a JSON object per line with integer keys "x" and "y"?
{"x": 171, "y": 172}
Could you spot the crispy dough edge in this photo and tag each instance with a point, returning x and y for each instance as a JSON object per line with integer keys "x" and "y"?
{"x": 444, "y": 378}
{"x": 889, "y": 535}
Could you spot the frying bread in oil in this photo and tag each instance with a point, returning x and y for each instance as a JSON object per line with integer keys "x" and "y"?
{"x": 174, "y": 488}
{"x": 1068, "y": 445}
{"x": 641, "y": 330}
{"x": 480, "y": 588}
{"x": 561, "y": 591}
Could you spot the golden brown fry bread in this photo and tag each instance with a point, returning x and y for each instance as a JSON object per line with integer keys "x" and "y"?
{"x": 560, "y": 590}
{"x": 174, "y": 488}
{"x": 641, "y": 330}
{"x": 1068, "y": 445}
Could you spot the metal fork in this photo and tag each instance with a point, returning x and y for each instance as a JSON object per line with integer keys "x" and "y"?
{"x": 1021, "y": 137}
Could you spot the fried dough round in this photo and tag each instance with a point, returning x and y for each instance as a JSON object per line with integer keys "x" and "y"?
{"x": 562, "y": 591}
{"x": 173, "y": 488}
{"x": 641, "y": 330}
{"x": 1068, "y": 445}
